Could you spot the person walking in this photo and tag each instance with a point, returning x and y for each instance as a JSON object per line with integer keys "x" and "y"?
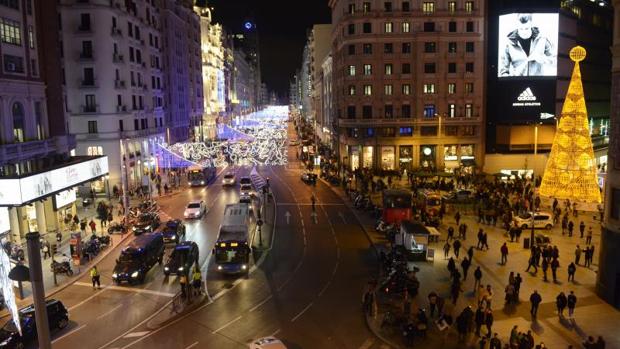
{"x": 495, "y": 342}
{"x": 470, "y": 253}
{"x": 446, "y": 250}
{"x": 457, "y": 217}
{"x": 555, "y": 264}
{"x": 183, "y": 284}
{"x": 589, "y": 254}
{"x": 571, "y": 302}
{"x": 571, "y": 226}
{"x": 465, "y": 264}
{"x": 535, "y": 299}
{"x": 197, "y": 282}
{"x": 450, "y": 234}
{"x": 94, "y": 276}
{"x": 488, "y": 321}
{"x": 531, "y": 262}
{"x": 582, "y": 228}
{"x": 571, "y": 272}
{"x": 477, "y": 277}
{"x": 504, "y": 252}
{"x": 545, "y": 267}
{"x": 46, "y": 250}
{"x": 518, "y": 281}
{"x": 560, "y": 303}
{"x": 589, "y": 236}
{"x": 93, "y": 226}
{"x": 577, "y": 254}
{"x": 456, "y": 245}
{"x": 485, "y": 241}
{"x": 479, "y": 320}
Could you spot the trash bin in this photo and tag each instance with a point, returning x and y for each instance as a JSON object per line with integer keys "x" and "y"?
{"x": 526, "y": 243}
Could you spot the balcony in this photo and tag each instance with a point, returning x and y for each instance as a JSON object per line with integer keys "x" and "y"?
{"x": 376, "y": 122}
{"x": 89, "y": 109}
{"x": 84, "y": 28}
{"x": 11, "y": 153}
{"x": 119, "y": 84}
{"x": 86, "y": 56}
{"x": 116, "y": 58}
{"x": 121, "y": 108}
{"x": 116, "y": 32}
{"x": 143, "y": 133}
{"x": 88, "y": 83}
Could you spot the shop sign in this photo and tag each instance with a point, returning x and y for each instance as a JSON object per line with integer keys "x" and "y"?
{"x": 65, "y": 198}
{"x": 5, "y": 223}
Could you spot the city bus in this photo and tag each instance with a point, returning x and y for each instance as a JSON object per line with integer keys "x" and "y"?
{"x": 429, "y": 202}
{"x": 396, "y": 206}
{"x": 232, "y": 249}
{"x": 200, "y": 176}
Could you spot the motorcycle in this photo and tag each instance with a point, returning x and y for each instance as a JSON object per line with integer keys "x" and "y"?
{"x": 103, "y": 241}
{"x": 61, "y": 268}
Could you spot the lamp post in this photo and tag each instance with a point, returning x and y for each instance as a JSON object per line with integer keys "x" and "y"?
{"x": 38, "y": 292}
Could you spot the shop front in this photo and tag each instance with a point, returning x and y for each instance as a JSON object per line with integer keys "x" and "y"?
{"x": 388, "y": 157}
{"x": 450, "y": 157}
{"x": 428, "y": 157}
{"x": 467, "y": 158}
{"x": 405, "y": 157}
{"x": 367, "y": 156}
{"x": 354, "y": 154}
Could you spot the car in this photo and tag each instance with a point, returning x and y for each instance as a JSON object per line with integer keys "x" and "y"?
{"x": 229, "y": 179}
{"x": 182, "y": 258}
{"x": 147, "y": 223}
{"x": 267, "y": 343}
{"x": 245, "y": 180}
{"x": 245, "y": 199}
{"x": 58, "y": 318}
{"x": 173, "y": 231}
{"x": 309, "y": 177}
{"x": 293, "y": 143}
{"x": 461, "y": 195}
{"x": 138, "y": 258}
{"x": 195, "y": 209}
{"x": 541, "y": 220}
{"x": 246, "y": 190}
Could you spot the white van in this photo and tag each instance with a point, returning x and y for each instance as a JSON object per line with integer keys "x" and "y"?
{"x": 542, "y": 220}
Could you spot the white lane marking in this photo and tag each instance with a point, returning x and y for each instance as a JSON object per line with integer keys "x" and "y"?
{"x": 109, "y": 312}
{"x": 367, "y": 344}
{"x": 129, "y": 289}
{"x": 275, "y": 333}
{"x": 344, "y": 221}
{"x": 302, "y": 312}
{"x": 68, "y": 333}
{"x": 260, "y": 304}
{"x": 228, "y": 323}
{"x": 87, "y": 299}
{"x": 192, "y": 345}
{"x": 136, "y": 334}
{"x": 306, "y": 204}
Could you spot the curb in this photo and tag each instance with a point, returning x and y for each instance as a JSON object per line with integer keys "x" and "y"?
{"x": 376, "y": 333}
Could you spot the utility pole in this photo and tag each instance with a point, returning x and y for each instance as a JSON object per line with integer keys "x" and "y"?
{"x": 38, "y": 291}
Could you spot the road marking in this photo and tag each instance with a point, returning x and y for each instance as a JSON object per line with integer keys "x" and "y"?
{"x": 309, "y": 204}
{"x": 68, "y": 333}
{"x": 109, "y": 312}
{"x": 261, "y": 303}
{"x": 288, "y": 217}
{"x": 228, "y": 324}
{"x": 87, "y": 299}
{"x": 301, "y": 313}
{"x": 367, "y": 344}
{"x": 192, "y": 345}
{"x": 127, "y": 289}
{"x": 275, "y": 333}
{"x": 136, "y": 334}
{"x": 344, "y": 221}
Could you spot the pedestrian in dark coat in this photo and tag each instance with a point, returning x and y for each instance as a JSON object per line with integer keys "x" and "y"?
{"x": 504, "y": 252}
{"x": 571, "y": 302}
{"x": 465, "y": 264}
{"x": 479, "y": 320}
{"x": 554, "y": 269}
{"x": 457, "y": 247}
{"x": 535, "y": 299}
{"x": 470, "y": 253}
{"x": 582, "y": 228}
{"x": 488, "y": 321}
{"x": 560, "y": 303}
{"x": 571, "y": 272}
{"x": 477, "y": 277}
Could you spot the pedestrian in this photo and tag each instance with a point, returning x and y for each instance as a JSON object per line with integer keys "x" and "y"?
{"x": 485, "y": 241}
{"x": 197, "y": 281}
{"x": 46, "y": 250}
{"x": 504, "y": 252}
{"x": 451, "y": 266}
{"x": 94, "y": 276}
{"x": 577, "y": 254}
{"x": 457, "y": 217}
{"x": 477, "y": 277}
{"x": 183, "y": 284}
{"x": 470, "y": 253}
{"x": 495, "y": 343}
{"x": 555, "y": 264}
{"x": 488, "y": 321}
{"x": 564, "y": 224}
{"x": 571, "y": 226}
{"x": 93, "y": 226}
{"x": 450, "y": 234}
{"x": 600, "y": 343}
{"x": 465, "y": 264}
{"x": 479, "y": 320}
{"x": 588, "y": 255}
{"x": 432, "y": 301}
{"x": 571, "y": 272}
{"x": 535, "y": 299}
{"x": 531, "y": 262}
{"x": 455, "y": 290}
{"x": 589, "y": 236}
{"x": 560, "y": 303}
{"x": 446, "y": 250}
{"x": 571, "y": 302}
{"x": 545, "y": 267}
{"x": 510, "y": 292}
{"x": 480, "y": 235}
{"x": 518, "y": 281}
{"x": 582, "y": 228}
{"x": 489, "y": 296}
{"x": 456, "y": 245}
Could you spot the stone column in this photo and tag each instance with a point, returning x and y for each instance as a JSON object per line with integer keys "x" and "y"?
{"x": 15, "y": 225}
{"x": 41, "y": 221}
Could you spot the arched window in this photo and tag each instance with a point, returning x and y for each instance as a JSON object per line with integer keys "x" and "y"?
{"x": 18, "y": 122}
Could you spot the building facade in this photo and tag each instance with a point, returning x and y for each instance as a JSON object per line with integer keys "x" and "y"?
{"x": 326, "y": 119}
{"x": 243, "y": 101}
{"x": 408, "y": 82}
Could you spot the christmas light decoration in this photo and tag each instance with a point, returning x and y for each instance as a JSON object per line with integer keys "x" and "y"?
{"x": 571, "y": 169}
{"x": 6, "y": 285}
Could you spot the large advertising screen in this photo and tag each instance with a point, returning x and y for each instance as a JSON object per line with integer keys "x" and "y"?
{"x": 528, "y": 45}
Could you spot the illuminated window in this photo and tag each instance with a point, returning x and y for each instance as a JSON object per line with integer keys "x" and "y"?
{"x": 388, "y": 89}
{"x": 406, "y": 89}
{"x": 469, "y": 110}
{"x": 351, "y": 90}
{"x": 428, "y": 7}
{"x": 10, "y": 31}
{"x": 367, "y": 90}
{"x": 452, "y": 6}
{"x": 406, "y": 131}
{"x": 451, "y": 110}
{"x": 94, "y": 151}
{"x": 352, "y": 9}
{"x": 366, "y": 7}
{"x": 389, "y": 27}
{"x": 469, "y": 6}
{"x": 406, "y": 27}
{"x": 469, "y": 87}
{"x": 451, "y": 88}
{"x": 351, "y": 70}
{"x": 429, "y": 88}
{"x": 388, "y": 69}
{"x": 367, "y": 69}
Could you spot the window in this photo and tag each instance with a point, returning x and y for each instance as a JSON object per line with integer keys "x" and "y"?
{"x": 452, "y": 6}
{"x": 367, "y": 90}
{"x": 429, "y": 27}
{"x": 10, "y": 3}
{"x": 451, "y": 88}
{"x": 367, "y": 112}
{"x": 135, "y": 124}
{"x": 351, "y": 70}
{"x": 429, "y": 88}
{"x": 33, "y": 67}
{"x": 469, "y": 6}
{"x": 30, "y": 37}
{"x": 91, "y": 104}
{"x": 451, "y": 130}
{"x": 406, "y": 68}
{"x": 18, "y": 122}
{"x": 406, "y": 7}
{"x": 469, "y": 87}
{"x": 469, "y": 110}
{"x": 367, "y": 69}
{"x": 351, "y": 90}
{"x": 121, "y": 127}
{"x": 352, "y": 9}
{"x": 387, "y": 6}
{"x": 428, "y": 8}
{"x": 388, "y": 48}
{"x": 468, "y": 130}
{"x": 469, "y": 27}
{"x": 430, "y": 47}
{"x": 367, "y": 28}
{"x": 351, "y": 112}
{"x": 405, "y": 131}
{"x": 405, "y": 111}
{"x": 351, "y": 49}
{"x": 451, "y": 68}
{"x": 10, "y": 31}
{"x": 429, "y": 68}
{"x": 451, "y": 110}
{"x": 366, "y": 7}
{"x": 89, "y": 77}
{"x": 428, "y": 130}
{"x": 84, "y": 22}
{"x": 388, "y": 69}
{"x": 469, "y": 46}
{"x": 388, "y": 132}
{"x": 94, "y": 151}
{"x": 367, "y": 49}
{"x": 388, "y": 111}
{"x": 351, "y": 29}
{"x": 452, "y": 47}
{"x": 406, "y": 47}
{"x": 388, "y": 27}
{"x": 87, "y": 49}
{"x": 370, "y": 132}
{"x": 452, "y": 27}
{"x": 131, "y": 54}
{"x": 406, "y": 89}
{"x": 92, "y": 126}
{"x": 469, "y": 67}
{"x": 13, "y": 64}
{"x": 388, "y": 90}
{"x": 406, "y": 27}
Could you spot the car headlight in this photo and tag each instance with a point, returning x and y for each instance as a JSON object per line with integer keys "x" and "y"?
{"x": 202, "y": 182}
{"x": 134, "y": 228}
{"x": 135, "y": 274}
{"x": 114, "y": 275}
{"x": 166, "y": 268}
{"x": 219, "y": 267}
{"x": 244, "y": 267}
{"x": 174, "y": 237}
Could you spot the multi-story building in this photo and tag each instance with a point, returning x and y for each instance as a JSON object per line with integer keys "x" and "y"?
{"x": 183, "y": 73}
{"x": 243, "y": 88}
{"x": 325, "y": 118}
{"x": 305, "y": 82}
{"x": 113, "y": 73}
{"x": 408, "y": 82}
{"x": 319, "y": 46}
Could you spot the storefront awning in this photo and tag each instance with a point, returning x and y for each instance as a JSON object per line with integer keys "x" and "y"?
{"x": 17, "y": 191}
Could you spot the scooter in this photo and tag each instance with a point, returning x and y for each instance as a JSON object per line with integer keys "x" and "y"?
{"x": 61, "y": 268}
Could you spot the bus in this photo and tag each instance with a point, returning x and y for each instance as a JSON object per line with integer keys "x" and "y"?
{"x": 396, "y": 206}
{"x": 429, "y": 202}
{"x": 200, "y": 176}
{"x": 232, "y": 249}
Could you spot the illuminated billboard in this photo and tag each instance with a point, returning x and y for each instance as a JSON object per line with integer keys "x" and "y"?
{"x": 528, "y": 45}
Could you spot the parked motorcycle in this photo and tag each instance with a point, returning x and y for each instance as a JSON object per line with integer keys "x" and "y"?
{"x": 61, "y": 268}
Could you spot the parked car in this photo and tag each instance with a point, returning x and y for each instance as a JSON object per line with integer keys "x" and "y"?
{"x": 138, "y": 258}
{"x": 182, "y": 259}
{"x": 147, "y": 223}
{"x": 174, "y": 231}
{"x": 267, "y": 343}
{"x": 309, "y": 178}
{"x": 541, "y": 220}
{"x": 461, "y": 195}
{"x": 246, "y": 190}
{"x": 195, "y": 209}
{"x": 229, "y": 179}
{"x": 58, "y": 318}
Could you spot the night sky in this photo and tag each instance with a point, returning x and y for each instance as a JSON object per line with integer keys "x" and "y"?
{"x": 282, "y": 26}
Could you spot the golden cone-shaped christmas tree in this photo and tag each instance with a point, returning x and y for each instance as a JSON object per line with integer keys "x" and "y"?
{"x": 571, "y": 169}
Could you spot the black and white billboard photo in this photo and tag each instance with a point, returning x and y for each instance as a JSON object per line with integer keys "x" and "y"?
{"x": 528, "y": 45}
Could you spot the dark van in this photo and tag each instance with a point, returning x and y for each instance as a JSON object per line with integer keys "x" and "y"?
{"x": 138, "y": 258}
